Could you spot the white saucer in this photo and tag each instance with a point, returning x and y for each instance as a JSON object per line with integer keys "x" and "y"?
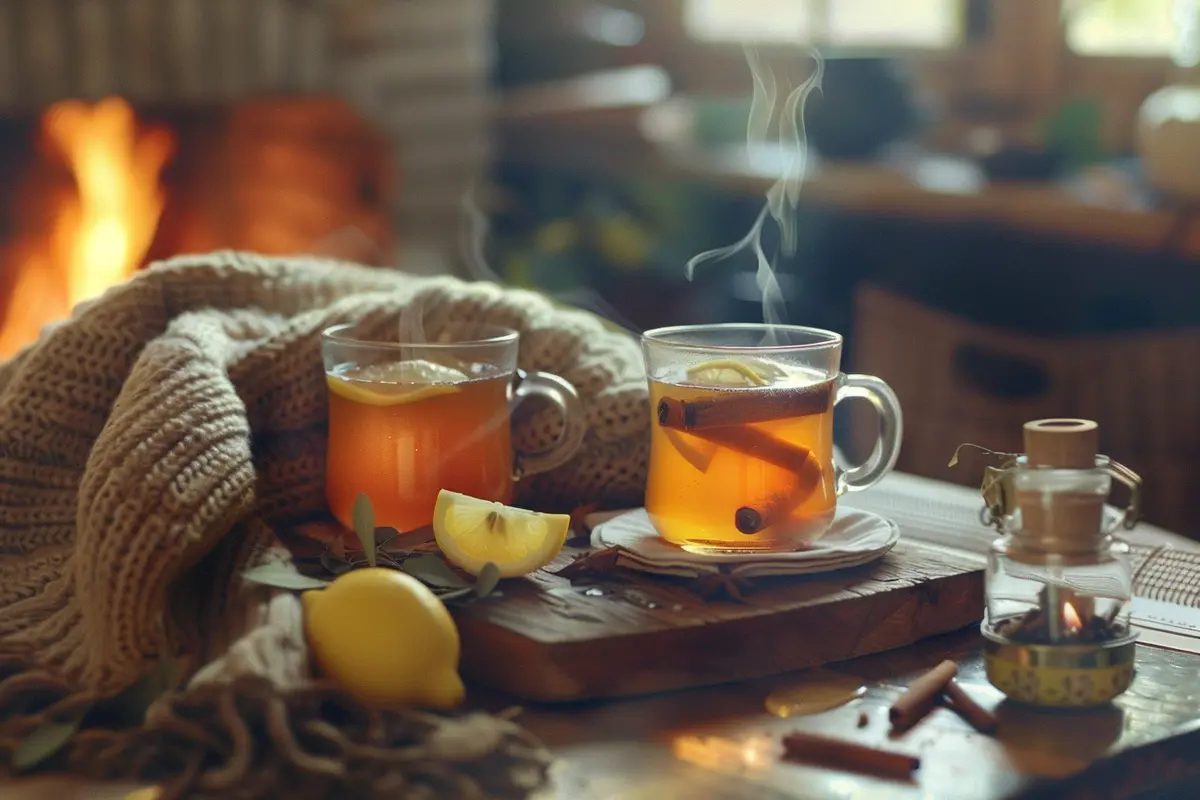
{"x": 855, "y": 538}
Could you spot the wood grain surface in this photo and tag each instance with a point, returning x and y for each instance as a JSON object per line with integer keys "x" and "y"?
{"x": 628, "y": 634}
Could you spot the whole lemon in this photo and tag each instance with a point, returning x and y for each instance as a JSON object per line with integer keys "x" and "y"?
{"x": 385, "y": 638}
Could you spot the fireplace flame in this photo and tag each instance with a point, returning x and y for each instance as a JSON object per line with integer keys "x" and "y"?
{"x": 1071, "y": 618}
{"x": 101, "y": 235}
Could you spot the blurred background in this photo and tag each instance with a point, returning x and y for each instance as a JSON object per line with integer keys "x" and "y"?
{"x": 999, "y": 205}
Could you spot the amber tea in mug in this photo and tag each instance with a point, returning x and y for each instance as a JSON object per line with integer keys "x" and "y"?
{"x": 407, "y": 419}
{"x": 741, "y": 449}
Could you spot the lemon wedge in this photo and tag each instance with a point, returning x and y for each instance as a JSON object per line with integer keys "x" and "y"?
{"x": 395, "y": 383}
{"x": 472, "y": 532}
{"x": 728, "y": 372}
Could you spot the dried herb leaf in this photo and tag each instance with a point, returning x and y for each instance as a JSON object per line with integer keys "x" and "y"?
{"x": 454, "y": 596}
{"x": 281, "y": 577}
{"x": 384, "y": 536}
{"x": 45, "y": 741}
{"x": 433, "y": 570}
{"x": 333, "y": 564}
{"x": 364, "y": 525}
{"x": 130, "y": 706}
{"x": 487, "y": 580}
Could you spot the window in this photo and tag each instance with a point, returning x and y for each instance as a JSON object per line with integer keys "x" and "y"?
{"x": 850, "y": 23}
{"x": 1131, "y": 28}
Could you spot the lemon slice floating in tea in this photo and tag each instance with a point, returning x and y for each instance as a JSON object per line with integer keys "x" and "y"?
{"x": 471, "y": 532}
{"x": 395, "y": 383}
{"x": 728, "y": 372}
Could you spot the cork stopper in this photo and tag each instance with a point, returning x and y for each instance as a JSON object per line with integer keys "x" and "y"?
{"x": 1061, "y": 515}
{"x": 1062, "y": 443}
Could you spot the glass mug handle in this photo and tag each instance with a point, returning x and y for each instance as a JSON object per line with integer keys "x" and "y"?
{"x": 887, "y": 444}
{"x": 562, "y": 395}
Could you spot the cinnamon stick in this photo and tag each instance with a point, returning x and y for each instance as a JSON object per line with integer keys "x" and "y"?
{"x": 744, "y": 407}
{"x": 758, "y": 444}
{"x": 751, "y": 519}
{"x": 962, "y": 704}
{"x": 918, "y": 701}
{"x": 839, "y": 754}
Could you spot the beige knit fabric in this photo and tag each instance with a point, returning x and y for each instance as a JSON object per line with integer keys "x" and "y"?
{"x": 150, "y": 446}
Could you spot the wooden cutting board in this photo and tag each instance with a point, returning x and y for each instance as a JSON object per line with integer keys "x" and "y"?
{"x": 547, "y": 640}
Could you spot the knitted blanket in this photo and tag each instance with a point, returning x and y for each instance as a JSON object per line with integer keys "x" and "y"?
{"x": 153, "y": 444}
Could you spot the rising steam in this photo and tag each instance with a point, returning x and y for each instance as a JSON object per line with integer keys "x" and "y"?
{"x": 784, "y": 196}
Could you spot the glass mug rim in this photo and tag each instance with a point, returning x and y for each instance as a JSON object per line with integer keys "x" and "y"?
{"x": 489, "y": 336}
{"x": 663, "y": 337}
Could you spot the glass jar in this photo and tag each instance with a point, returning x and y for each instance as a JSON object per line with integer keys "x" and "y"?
{"x": 1057, "y": 574}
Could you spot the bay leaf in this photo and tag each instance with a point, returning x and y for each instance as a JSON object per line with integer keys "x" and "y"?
{"x": 130, "y": 706}
{"x": 333, "y": 564}
{"x": 433, "y": 570}
{"x": 364, "y": 525}
{"x": 384, "y": 536}
{"x": 458, "y": 596}
{"x": 487, "y": 580}
{"x": 43, "y": 742}
{"x": 281, "y": 577}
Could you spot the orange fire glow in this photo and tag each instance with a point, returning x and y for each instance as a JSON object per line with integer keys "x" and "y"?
{"x": 100, "y": 237}
{"x": 1071, "y": 617}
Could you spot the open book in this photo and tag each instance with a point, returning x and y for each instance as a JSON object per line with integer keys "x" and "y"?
{"x": 1166, "y": 605}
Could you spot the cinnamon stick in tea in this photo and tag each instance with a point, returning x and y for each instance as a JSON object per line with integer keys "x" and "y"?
{"x": 742, "y": 407}
{"x": 751, "y": 519}
{"x": 919, "y": 700}
{"x": 759, "y": 444}
{"x": 823, "y": 751}
{"x": 965, "y": 706}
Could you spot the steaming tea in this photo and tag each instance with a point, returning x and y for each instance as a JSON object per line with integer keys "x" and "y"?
{"x": 401, "y": 431}
{"x": 742, "y": 456}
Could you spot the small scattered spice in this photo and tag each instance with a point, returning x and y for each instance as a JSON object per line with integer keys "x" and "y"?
{"x": 596, "y": 563}
{"x": 863, "y": 719}
{"x": 1033, "y": 627}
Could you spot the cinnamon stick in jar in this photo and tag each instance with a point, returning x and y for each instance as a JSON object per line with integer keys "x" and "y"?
{"x": 823, "y": 751}
{"x": 921, "y": 696}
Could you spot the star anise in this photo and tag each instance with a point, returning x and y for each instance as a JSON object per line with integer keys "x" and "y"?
{"x": 722, "y": 586}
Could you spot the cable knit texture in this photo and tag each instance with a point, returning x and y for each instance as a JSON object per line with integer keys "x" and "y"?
{"x": 151, "y": 445}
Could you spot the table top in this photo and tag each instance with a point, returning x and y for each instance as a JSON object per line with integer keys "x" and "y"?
{"x": 720, "y": 743}
{"x": 679, "y": 745}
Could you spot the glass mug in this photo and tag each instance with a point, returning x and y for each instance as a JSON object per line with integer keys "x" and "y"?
{"x": 741, "y": 448}
{"x": 407, "y": 419}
